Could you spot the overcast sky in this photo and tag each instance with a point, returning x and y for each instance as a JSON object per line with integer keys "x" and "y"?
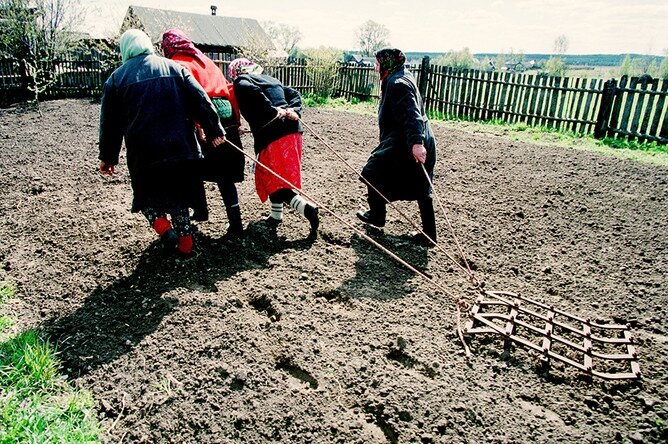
{"x": 529, "y": 26}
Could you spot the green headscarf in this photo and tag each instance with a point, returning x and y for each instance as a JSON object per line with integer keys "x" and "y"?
{"x": 134, "y": 42}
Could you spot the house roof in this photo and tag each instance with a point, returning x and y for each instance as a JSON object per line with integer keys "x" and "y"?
{"x": 209, "y": 30}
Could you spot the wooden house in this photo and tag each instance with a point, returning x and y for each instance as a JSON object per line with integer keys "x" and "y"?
{"x": 211, "y": 33}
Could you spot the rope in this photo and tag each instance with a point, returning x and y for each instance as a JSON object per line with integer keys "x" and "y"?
{"x": 471, "y": 275}
{"x": 408, "y": 219}
{"x": 459, "y": 302}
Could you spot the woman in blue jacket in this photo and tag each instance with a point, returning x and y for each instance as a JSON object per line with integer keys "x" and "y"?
{"x": 152, "y": 103}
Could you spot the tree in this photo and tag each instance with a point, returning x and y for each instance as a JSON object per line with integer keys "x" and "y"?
{"x": 36, "y": 32}
{"x": 322, "y": 69}
{"x": 628, "y": 67}
{"x": 561, "y": 44}
{"x": 284, "y": 36}
{"x": 555, "y": 65}
{"x": 371, "y": 36}
{"x": 457, "y": 59}
{"x": 663, "y": 69}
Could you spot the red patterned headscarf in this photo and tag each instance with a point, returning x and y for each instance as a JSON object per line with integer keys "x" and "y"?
{"x": 175, "y": 41}
{"x": 242, "y": 66}
{"x": 389, "y": 61}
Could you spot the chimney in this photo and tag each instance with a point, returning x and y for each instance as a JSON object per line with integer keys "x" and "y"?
{"x": 213, "y": 9}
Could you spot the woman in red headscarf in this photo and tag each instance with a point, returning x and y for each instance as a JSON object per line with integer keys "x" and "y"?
{"x": 225, "y": 164}
{"x": 406, "y": 144}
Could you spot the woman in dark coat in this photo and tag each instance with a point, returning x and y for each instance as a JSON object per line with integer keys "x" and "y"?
{"x": 225, "y": 164}
{"x": 406, "y": 143}
{"x": 272, "y": 111}
{"x": 152, "y": 103}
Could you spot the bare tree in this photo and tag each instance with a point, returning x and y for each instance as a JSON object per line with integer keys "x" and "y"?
{"x": 371, "y": 36}
{"x": 561, "y": 44}
{"x": 36, "y": 32}
{"x": 284, "y": 36}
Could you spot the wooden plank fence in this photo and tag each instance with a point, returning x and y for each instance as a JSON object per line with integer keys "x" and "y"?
{"x": 631, "y": 108}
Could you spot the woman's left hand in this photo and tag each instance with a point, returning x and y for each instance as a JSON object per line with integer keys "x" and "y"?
{"x": 419, "y": 153}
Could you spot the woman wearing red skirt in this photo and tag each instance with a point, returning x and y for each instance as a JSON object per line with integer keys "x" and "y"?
{"x": 272, "y": 111}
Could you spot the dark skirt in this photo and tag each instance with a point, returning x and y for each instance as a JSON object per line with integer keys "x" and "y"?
{"x": 224, "y": 162}
{"x": 392, "y": 169}
{"x": 166, "y": 186}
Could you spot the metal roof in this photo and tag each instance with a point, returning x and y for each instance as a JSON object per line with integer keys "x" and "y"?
{"x": 210, "y": 30}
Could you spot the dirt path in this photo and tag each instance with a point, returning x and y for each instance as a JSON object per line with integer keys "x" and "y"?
{"x": 280, "y": 339}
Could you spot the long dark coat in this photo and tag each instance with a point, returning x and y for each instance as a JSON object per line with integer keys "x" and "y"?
{"x": 152, "y": 103}
{"x": 402, "y": 122}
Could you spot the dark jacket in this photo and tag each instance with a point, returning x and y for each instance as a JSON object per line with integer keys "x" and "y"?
{"x": 402, "y": 122}
{"x": 258, "y": 96}
{"x": 152, "y": 103}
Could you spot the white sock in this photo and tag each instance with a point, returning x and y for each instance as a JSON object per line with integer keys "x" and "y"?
{"x": 298, "y": 203}
{"x": 277, "y": 211}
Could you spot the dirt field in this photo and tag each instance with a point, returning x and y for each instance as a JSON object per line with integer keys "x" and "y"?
{"x": 282, "y": 339}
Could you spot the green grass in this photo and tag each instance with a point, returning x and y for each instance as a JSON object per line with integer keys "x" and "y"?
{"x": 7, "y": 291}
{"x": 37, "y": 405}
{"x": 650, "y": 152}
{"x": 366, "y": 107}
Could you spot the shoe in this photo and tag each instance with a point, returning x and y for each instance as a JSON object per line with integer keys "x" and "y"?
{"x": 311, "y": 214}
{"x": 421, "y": 239}
{"x": 200, "y": 216}
{"x": 185, "y": 245}
{"x": 234, "y": 230}
{"x": 368, "y": 218}
{"x": 272, "y": 222}
{"x": 170, "y": 239}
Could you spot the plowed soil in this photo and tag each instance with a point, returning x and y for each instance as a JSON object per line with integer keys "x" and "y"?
{"x": 284, "y": 339}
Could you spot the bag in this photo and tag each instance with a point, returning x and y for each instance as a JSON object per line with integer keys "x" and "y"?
{"x": 223, "y": 107}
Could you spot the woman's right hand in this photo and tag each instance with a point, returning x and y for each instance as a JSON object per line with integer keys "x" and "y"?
{"x": 419, "y": 153}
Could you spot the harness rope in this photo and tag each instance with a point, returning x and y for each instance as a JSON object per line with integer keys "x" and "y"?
{"x": 459, "y": 302}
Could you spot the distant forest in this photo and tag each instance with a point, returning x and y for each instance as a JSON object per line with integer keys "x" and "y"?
{"x": 572, "y": 60}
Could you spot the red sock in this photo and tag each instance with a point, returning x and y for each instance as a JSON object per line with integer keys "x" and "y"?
{"x": 185, "y": 244}
{"x": 161, "y": 225}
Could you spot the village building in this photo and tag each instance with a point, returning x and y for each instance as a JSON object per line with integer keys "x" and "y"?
{"x": 211, "y": 33}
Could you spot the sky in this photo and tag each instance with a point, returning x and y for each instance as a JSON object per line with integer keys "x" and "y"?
{"x": 482, "y": 26}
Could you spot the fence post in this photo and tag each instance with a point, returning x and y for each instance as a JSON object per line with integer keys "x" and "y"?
{"x": 607, "y": 98}
{"x": 424, "y": 72}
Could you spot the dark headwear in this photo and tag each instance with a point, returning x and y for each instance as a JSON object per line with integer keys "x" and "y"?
{"x": 175, "y": 41}
{"x": 389, "y": 60}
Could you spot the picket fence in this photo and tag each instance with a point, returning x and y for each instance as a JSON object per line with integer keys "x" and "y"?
{"x": 631, "y": 108}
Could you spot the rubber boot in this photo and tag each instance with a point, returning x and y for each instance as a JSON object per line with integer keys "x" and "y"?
{"x": 428, "y": 221}
{"x": 311, "y": 214}
{"x": 235, "y": 227}
{"x": 168, "y": 236}
{"x": 185, "y": 246}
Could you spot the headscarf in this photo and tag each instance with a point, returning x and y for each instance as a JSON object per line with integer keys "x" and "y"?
{"x": 242, "y": 66}
{"x": 390, "y": 60}
{"x": 175, "y": 41}
{"x": 134, "y": 42}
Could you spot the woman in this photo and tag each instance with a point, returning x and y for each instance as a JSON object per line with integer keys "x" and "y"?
{"x": 273, "y": 111}
{"x": 225, "y": 164}
{"x": 406, "y": 144}
{"x": 152, "y": 103}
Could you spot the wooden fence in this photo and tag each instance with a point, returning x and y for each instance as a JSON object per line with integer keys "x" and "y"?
{"x": 635, "y": 108}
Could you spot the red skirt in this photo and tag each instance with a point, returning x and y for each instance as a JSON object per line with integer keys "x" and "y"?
{"x": 284, "y": 157}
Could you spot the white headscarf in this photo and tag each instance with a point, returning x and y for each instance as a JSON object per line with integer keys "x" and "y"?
{"x": 134, "y": 42}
